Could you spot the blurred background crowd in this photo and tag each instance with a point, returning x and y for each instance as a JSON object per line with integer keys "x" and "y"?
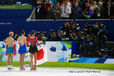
{"x": 74, "y": 9}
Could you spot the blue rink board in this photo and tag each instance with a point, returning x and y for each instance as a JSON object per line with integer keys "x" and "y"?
{"x": 93, "y": 60}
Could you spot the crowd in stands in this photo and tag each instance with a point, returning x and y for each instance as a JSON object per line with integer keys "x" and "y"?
{"x": 91, "y": 38}
{"x": 74, "y": 9}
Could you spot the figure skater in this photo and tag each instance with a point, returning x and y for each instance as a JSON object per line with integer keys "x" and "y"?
{"x": 10, "y": 49}
{"x": 22, "y": 48}
{"x": 33, "y": 49}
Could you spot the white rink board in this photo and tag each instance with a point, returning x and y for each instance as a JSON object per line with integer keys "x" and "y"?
{"x": 54, "y": 51}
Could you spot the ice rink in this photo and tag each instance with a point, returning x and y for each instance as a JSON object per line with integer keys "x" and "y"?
{"x": 49, "y": 71}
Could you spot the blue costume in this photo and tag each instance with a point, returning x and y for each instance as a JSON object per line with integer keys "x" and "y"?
{"x": 10, "y": 50}
{"x": 22, "y": 49}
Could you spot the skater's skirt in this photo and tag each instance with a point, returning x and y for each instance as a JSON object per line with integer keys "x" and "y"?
{"x": 22, "y": 49}
{"x": 33, "y": 49}
{"x": 10, "y": 50}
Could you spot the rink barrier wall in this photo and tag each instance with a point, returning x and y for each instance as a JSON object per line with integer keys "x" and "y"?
{"x": 18, "y": 24}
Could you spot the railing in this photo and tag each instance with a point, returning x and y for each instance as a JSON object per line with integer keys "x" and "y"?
{"x": 68, "y": 19}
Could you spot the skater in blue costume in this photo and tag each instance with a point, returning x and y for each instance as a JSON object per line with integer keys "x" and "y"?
{"x": 22, "y": 48}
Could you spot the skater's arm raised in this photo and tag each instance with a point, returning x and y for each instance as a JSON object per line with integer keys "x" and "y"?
{"x": 37, "y": 41}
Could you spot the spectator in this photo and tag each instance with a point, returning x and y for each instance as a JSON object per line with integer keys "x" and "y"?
{"x": 16, "y": 37}
{"x": 74, "y": 36}
{"x": 47, "y": 6}
{"x": 50, "y": 12}
{"x": 86, "y": 6}
{"x": 83, "y": 47}
{"x": 57, "y": 11}
{"x": 85, "y": 29}
{"x": 39, "y": 10}
{"x": 54, "y": 2}
{"x": 66, "y": 28}
{"x": 108, "y": 10}
{"x": 94, "y": 5}
{"x": 73, "y": 3}
{"x": 60, "y": 1}
{"x": 69, "y": 3}
{"x": 62, "y": 35}
{"x": 78, "y": 27}
{"x": 112, "y": 10}
{"x": 66, "y": 11}
{"x": 76, "y": 12}
{"x": 89, "y": 14}
{"x": 88, "y": 1}
{"x": 42, "y": 37}
{"x": 105, "y": 2}
{"x": 101, "y": 36}
{"x": 73, "y": 27}
{"x": 53, "y": 36}
{"x": 80, "y": 2}
{"x": 91, "y": 47}
{"x": 99, "y": 12}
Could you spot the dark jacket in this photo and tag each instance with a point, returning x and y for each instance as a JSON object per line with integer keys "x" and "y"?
{"x": 76, "y": 13}
{"x": 57, "y": 12}
{"x": 50, "y": 13}
{"x": 100, "y": 13}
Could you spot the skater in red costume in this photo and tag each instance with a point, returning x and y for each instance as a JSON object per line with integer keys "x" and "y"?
{"x": 33, "y": 42}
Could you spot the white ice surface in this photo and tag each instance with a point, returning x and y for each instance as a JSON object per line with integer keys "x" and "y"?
{"x": 48, "y": 71}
